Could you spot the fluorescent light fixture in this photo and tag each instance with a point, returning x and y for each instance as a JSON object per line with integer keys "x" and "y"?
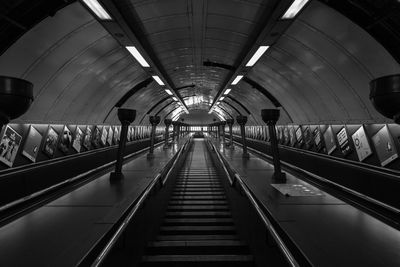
{"x": 295, "y": 8}
{"x": 174, "y": 98}
{"x": 237, "y": 79}
{"x": 135, "y": 53}
{"x": 260, "y": 51}
{"x": 227, "y": 91}
{"x": 222, "y": 98}
{"x": 158, "y": 80}
{"x": 218, "y": 103}
{"x": 97, "y": 9}
{"x": 168, "y": 91}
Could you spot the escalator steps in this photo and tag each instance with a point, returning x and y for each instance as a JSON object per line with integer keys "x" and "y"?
{"x": 198, "y": 229}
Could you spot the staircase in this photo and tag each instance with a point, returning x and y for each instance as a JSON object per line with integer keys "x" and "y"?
{"x": 198, "y": 229}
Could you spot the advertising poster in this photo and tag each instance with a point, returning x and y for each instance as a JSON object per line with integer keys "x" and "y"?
{"x": 384, "y": 145}
{"x": 299, "y": 136}
{"x": 104, "y": 136}
{"x": 329, "y": 140}
{"x": 96, "y": 141}
{"x": 116, "y": 135}
{"x": 50, "y": 143}
{"x": 307, "y": 137}
{"x": 286, "y": 139}
{"x": 317, "y": 138}
{"x": 32, "y": 144}
{"x": 87, "y": 138}
{"x": 343, "y": 141}
{"x": 361, "y": 144}
{"x": 9, "y": 145}
{"x": 78, "y": 140}
{"x": 110, "y": 136}
{"x": 292, "y": 134}
{"x": 65, "y": 140}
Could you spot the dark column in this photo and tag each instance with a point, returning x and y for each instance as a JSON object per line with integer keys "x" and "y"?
{"x": 173, "y": 131}
{"x": 230, "y": 124}
{"x": 242, "y": 120}
{"x": 126, "y": 116}
{"x": 270, "y": 117}
{"x": 154, "y": 121}
{"x": 16, "y": 98}
{"x": 167, "y": 123}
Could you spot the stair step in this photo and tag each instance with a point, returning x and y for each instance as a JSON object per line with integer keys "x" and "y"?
{"x": 199, "y": 202}
{"x": 198, "y": 221}
{"x": 198, "y": 229}
{"x": 198, "y": 207}
{"x": 185, "y": 189}
{"x": 210, "y": 193}
{"x": 216, "y": 197}
{"x": 203, "y": 214}
{"x": 197, "y": 237}
{"x": 199, "y": 260}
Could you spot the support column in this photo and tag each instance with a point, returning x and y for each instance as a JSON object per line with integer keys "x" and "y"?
{"x": 270, "y": 117}
{"x": 223, "y": 123}
{"x": 230, "y": 124}
{"x": 167, "y": 123}
{"x": 154, "y": 121}
{"x": 126, "y": 116}
{"x": 242, "y": 120}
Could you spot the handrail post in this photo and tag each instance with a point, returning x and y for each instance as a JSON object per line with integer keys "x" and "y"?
{"x": 126, "y": 116}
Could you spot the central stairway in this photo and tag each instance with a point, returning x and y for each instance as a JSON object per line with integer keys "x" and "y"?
{"x": 198, "y": 229}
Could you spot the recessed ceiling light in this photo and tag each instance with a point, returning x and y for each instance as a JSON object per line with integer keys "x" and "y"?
{"x": 294, "y": 8}
{"x": 218, "y": 103}
{"x": 168, "y": 91}
{"x": 158, "y": 80}
{"x": 138, "y": 56}
{"x": 97, "y": 9}
{"x": 222, "y": 98}
{"x": 237, "y": 79}
{"x": 227, "y": 91}
{"x": 174, "y": 98}
{"x": 260, "y": 51}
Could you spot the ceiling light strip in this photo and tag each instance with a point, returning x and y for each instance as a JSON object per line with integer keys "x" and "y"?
{"x": 260, "y": 51}
{"x": 135, "y": 53}
{"x": 294, "y": 8}
{"x": 97, "y": 9}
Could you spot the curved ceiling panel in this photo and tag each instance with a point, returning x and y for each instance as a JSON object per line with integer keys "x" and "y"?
{"x": 321, "y": 73}
{"x": 199, "y": 117}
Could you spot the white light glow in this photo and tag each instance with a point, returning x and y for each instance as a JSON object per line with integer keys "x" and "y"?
{"x": 97, "y": 9}
{"x": 260, "y": 51}
{"x": 158, "y": 80}
{"x": 237, "y": 79}
{"x": 218, "y": 103}
{"x": 135, "y": 53}
{"x": 168, "y": 91}
{"x": 174, "y": 98}
{"x": 222, "y": 98}
{"x": 294, "y": 8}
{"x": 227, "y": 91}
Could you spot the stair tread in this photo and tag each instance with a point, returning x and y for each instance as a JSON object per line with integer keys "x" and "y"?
{"x": 198, "y": 228}
{"x": 196, "y": 237}
{"x": 197, "y": 258}
{"x": 198, "y": 207}
{"x": 198, "y": 202}
{"x": 196, "y": 243}
{"x": 198, "y": 197}
{"x": 199, "y": 220}
{"x": 198, "y": 213}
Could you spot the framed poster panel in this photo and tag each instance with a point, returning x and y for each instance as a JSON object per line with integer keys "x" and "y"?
{"x": 299, "y": 136}
{"x": 96, "y": 140}
{"x": 77, "y": 143}
{"x": 9, "y": 145}
{"x": 384, "y": 145}
{"x": 286, "y": 135}
{"x": 104, "y": 136}
{"x": 329, "y": 140}
{"x": 110, "y": 136}
{"x": 361, "y": 144}
{"x": 116, "y": 133}
{"x": 87, "y": 138}
{"x": 317, "y": 138}
{"x": 65, "y": 140}
{"x": 50, "y": 143}
{"x": 343, "y": 141}
{"x": 307, "y": 137}
{"x": 32, "y": 144}
{"x": 292, "y": 134}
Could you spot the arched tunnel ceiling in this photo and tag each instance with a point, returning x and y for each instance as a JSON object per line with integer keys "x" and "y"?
{"x": 318, "y": 70}
{"x": 199, "y": 117}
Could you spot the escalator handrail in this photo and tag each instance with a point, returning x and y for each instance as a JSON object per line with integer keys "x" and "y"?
{"x": 115, "y": 237}
{"x": 268, "y": 224}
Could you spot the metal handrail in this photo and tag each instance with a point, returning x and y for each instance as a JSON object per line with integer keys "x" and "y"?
{"x": 281, "y": 245}
{"x": 231, "y": 181}
{"x": 110, "y": 244}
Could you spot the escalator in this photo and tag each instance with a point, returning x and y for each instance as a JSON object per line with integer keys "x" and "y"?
{"x": 198, "y": 228}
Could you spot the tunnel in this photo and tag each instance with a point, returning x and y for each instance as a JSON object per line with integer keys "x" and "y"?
{"x": 200, "y": 133}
